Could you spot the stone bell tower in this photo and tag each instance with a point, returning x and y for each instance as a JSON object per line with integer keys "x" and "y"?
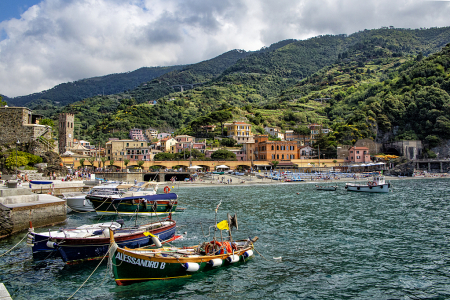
{"x": 65, "y": 132}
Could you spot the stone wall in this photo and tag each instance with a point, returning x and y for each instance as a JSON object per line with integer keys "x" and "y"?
{"x": 442, "y": 151}
{"x": 6, "y": 225}
{"x": 15, "y": 125}
{"x": 40, "y": 215}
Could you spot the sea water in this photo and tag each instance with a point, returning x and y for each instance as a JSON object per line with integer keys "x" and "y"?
{"x": 333, "y": 245}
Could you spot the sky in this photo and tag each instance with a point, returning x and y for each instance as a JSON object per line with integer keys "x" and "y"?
{"x": 47, "y": 42}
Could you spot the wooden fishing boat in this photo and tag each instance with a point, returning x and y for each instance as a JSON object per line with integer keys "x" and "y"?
{"x": 377, "y": 185}
{"x": 138, "y": 265}
{"x": 326, "y": 187}
{"x": 78, "y": 245}
{"x": 150, "y": 205}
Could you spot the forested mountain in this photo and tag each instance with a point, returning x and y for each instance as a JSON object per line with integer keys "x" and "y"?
{"x": 366, "y": 84}
{"x": 66, "y": 93}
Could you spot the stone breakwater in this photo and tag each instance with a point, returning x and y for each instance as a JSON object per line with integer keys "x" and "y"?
{"x": 19, "y": 207}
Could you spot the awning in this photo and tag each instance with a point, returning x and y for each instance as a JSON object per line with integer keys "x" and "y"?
{"x": 222, "y": 167}
{"x": 195, "y": 167}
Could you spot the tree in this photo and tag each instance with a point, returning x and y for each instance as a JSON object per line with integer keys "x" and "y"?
{"x": 11, "y": 161}
{"x": 91, "y": 161}
{"x": 163, "y": 156}
{"x": 221, "y": 116}
{"x": 48, "y": 122}
{"x": 2, "y": 103}
{"x": 82, "y": 162}
{"x": 103, "y": 159}
{"x": 126, "y": 162}
{"x": 140, "y": 164}
{"x": 223, "y": 154}
{"x": 303, "y": 131}
{"x": 227, "y": 142}
{"x": 275, "y": 164}
{"x": 111, "y": 162}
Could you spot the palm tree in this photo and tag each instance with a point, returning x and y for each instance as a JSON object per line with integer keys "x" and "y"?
{"x": 103, "y": 159}
{"x": 111, "y": 162}
{"x": 82, "y": 162}
{"x": 91, "y": 161}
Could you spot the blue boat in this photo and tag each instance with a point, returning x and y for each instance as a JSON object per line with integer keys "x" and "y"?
{"x": 75, "y": 245}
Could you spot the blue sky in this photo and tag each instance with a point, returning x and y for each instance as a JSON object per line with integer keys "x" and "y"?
{"x": 13, "y": 8}
{"x": 47, "y": 42}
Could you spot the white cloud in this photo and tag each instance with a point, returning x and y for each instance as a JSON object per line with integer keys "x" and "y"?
{"x": 64, "y": 40}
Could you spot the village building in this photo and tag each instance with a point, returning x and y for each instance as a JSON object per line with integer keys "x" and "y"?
{"x": 358, "y": 155}
{"x": 137, "y": 134}
{"x": 241, "y": 132}
{"x": 274, "y": 150}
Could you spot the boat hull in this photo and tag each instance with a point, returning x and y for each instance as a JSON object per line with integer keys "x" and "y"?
{"x": 143, "y": 207}
{"x": 80, "y": 204}
{"x": 73, "y": 252}
{"x": 129, "y": 267}
{"x": 383, "y": 188}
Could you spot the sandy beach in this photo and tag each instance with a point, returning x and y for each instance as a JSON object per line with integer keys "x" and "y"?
{"x": 223, "y": 180}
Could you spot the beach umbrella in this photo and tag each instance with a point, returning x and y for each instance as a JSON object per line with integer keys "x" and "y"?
{"x": 222, "y": 167}
{"x": 195, "y": 167}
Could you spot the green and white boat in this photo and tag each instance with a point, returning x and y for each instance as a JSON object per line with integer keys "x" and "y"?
{"x": 144, "y": 264}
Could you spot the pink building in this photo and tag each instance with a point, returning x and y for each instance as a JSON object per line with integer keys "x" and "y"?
{"x": 184, "y": 138}
{"x": 137, "y": 134}
{"x": 358, "y": 155}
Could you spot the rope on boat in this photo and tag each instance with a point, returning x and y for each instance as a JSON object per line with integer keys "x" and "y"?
{"x": 14, "y": 245}
{"x": 90, "y": 275}
{"x": 260, "y": 253}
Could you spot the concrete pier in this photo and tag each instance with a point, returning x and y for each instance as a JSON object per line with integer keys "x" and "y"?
{"x": 4, "y": 295}
{"x": 19, "y": 206}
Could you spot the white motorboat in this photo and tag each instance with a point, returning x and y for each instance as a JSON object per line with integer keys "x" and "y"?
{"x": 77, "y": 201}
{"x": 377, "y": 185}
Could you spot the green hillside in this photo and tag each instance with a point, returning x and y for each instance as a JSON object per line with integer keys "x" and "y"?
{"x": 362, "y": 85}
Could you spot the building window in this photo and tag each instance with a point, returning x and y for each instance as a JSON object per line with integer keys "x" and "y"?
{"x": 272, "y": 149}
{"x": 358, "y": 157}
{"x": 278, "y": 156}
{"x": 273, "y": 156}
{"x": 282, "y": 156}
{"x": 128, "y": 144}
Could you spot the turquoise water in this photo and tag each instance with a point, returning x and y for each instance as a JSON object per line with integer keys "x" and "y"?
{"x": 334, "y": 245}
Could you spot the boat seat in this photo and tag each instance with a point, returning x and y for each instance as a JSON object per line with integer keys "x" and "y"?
{"x": 83, "y": 234}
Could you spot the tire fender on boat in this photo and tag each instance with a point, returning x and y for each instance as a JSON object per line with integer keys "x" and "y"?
{"x": 248, "y": 253}
{"x": 358, "y": 188}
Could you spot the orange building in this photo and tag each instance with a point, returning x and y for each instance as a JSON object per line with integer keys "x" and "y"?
{"x": 274, "y": 150}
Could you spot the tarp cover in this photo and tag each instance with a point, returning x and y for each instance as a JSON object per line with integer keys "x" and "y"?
{"x": 169, "y": 196}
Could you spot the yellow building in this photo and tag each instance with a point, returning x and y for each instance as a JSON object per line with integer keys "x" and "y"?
{"x": 240, "y": 131}
{"x": 167, "y": 143}
{"x": 117, "y": 149}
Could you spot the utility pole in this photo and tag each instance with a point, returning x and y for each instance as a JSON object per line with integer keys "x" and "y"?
{"x": 16, "y": 156}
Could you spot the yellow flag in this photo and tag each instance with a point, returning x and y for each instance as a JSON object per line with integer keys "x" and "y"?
{"x": 223, "y": 225}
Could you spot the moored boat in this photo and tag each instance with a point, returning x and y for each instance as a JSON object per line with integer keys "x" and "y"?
{"x": 78, "y": 245}
{"x": 138, "y": 265}
{"x": 151, "y": 205}
{"x": 326, "y": 187}
{"x": 77, "y": 201}
{"x": 377, "y": 185}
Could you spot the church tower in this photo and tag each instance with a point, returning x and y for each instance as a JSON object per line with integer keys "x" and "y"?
{"x": 65, "y": 132}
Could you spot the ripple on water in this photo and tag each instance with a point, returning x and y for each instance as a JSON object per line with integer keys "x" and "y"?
{"x": 334, "y": 245}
